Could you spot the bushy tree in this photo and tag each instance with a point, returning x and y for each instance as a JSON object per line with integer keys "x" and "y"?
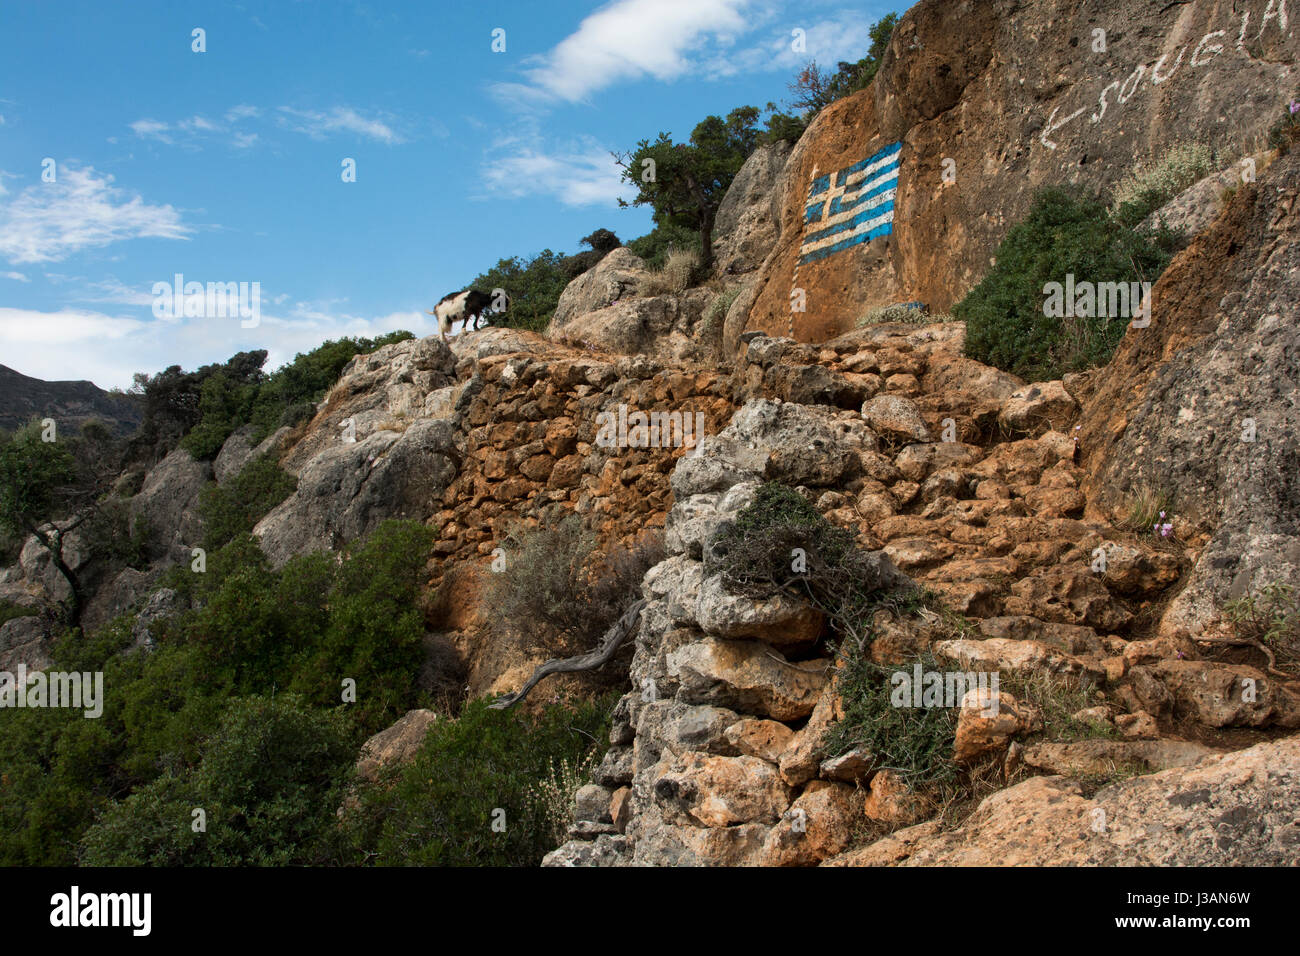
{"x": 533, "y": 285}
{"x": 814, "y": 89}
{"x": 684, "y": 183}
{"x": 268, "y": 783}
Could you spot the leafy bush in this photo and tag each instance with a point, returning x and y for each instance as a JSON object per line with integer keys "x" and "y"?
{"x": 1066, "y": 232}
{"x": 234, "y": 509}
{"x": 1270, "y": 616}
{"x": 914, "y": 742}
{"x": 534, "y": 286}
{"x": 483, "y": 767}
{"x": 201, "y": 409}
{"x": 251, "y": 631}
{"x": 269, "y": 782}
{"x": 1142, "y": 193}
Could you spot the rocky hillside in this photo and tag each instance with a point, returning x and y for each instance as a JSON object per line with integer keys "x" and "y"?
{"x": 1102, "y": 544}
{"x": 987, "y": 100}
{"x": 23, "y": 398}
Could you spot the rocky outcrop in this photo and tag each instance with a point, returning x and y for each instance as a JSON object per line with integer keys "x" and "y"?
{"x": 988, "y": 102}
{"x": 1162, "y": 417}
{"x": 749, "y": 218}
{"x": 1237, "y": 809}
{"x": 613, "y": 279}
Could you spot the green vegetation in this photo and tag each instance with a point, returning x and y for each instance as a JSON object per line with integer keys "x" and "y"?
{"x": 250, "y": 632}
{"x": 482, "y": 768}
{"x": 9, "y": 610}
{"x": 234, "y": 509}
{"x": 815, "y": 89}
{"x": 1065, "y": 233}
{"x": 268, "y": 782}
{"x": 901, "y": 312}
{"x": 1142, "y": 193}
{"x": 1284, "y": 133}
{"x": 655, "y": 246}
{"x": 914, "y": 742}
{"x": 1271, "y": 616}
{"x": 684, "y": 183}
{"x": 200, "y": 409}
{"x": 534, "y": 286}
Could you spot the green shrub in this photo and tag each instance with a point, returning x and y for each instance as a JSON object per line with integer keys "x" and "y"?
{"x": 655, "y": 245}
{"x": 234, "y": 509}
{"x": 269, "y": 782}
{"x": 1142, "y": 193}
{"x": 1066, "y": 232}
{"x": 1284, "y": 133}
{"x": 9, "y": 610}
{"x": 716, "y": 314}
{"x": 914, "y": 742}
{"x": 533, "y": 284}
{"x": 901, "y": 312}
{"x": 439, "y": 809}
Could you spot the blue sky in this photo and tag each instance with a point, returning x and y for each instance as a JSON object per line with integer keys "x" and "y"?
{"x": 225, "y": 165}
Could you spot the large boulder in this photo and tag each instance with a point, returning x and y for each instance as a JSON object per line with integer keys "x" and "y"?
{"x": 749, "y": 218}
{"x": 988, "y": 102}
{"x": 613, "y": 279}
{"x": 349, "y": 488}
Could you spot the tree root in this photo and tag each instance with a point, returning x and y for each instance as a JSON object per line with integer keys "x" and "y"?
{"x": 614, "y": 638}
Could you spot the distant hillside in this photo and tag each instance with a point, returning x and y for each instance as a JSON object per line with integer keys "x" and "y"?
{"x": 68, "y": 403}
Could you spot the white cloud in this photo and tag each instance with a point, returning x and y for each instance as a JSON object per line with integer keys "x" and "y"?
{"x": 152, "y": 129}
{"x": 241, "y": 112}
{"x": 233, "y": 127}
{"x": 48, "y": 222}
{"x": 114, "y": 290}
{"x": 844, "y": 36}
{"x": 341, "y": 119}
{"x": 582, "y": 175}
{"x": 109, "y": 349}
{"x": 628, "y": 40}
{"x": 17, "y": 277}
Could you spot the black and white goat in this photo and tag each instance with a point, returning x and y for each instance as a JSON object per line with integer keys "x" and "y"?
{"x": 466, "y": 305}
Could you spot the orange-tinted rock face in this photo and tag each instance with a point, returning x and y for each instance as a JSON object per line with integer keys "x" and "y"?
{"x": 992, "y": 100}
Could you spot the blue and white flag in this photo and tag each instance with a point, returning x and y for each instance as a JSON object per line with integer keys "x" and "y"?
{"x": 852, "y": 206}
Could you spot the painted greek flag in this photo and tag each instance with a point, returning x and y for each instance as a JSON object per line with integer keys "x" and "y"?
{"x": 852, "y": 206}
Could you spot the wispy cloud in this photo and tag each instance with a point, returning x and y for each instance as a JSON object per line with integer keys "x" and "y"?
{"x": 233, "y": 127}
{"x": 341, "y": 119}
{"x": 629, "y": 40}
{"x": 581, "y": 174}
{"x": 48, "y": 222}
{"x": 17, "y": 277}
